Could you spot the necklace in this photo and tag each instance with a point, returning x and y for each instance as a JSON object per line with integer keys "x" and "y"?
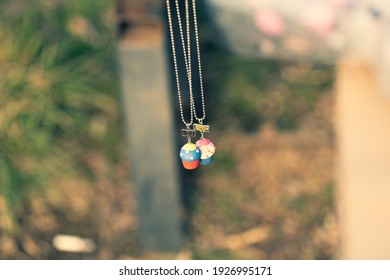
{"x": 203, "y": 150}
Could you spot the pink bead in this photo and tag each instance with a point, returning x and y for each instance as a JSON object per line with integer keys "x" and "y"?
{"x": 207, "y": 150}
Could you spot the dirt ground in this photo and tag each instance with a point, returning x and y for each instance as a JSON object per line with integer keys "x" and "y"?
{"x": 268, "y": 195}
{"x": 277, "y": 200}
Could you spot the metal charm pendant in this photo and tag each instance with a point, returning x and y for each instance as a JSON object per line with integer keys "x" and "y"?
{"x": 202, "y": 128}
{"x": 188, "y": 132}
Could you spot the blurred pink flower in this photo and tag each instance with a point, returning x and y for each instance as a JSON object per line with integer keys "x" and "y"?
{"x": 269, "y": 22}
{"x": 318, "y": 17}
{"x": 343, "y": 4}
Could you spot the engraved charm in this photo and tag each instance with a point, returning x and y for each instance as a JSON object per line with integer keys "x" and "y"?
{"x": 202, "y": 128}
{"x": 188, "y": 132}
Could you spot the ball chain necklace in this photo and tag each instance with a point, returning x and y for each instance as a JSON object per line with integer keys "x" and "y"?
{"x": 202, "y": 152}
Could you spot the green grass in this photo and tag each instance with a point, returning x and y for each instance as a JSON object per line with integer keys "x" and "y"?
{"x": 313, "y": 208}
{"x": 57, "y": 71}
{"x": 213, "y": 255}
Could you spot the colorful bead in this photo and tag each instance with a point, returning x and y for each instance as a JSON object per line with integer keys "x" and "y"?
{"x": 190, "y": 155}
{"x": 207, "y": 150}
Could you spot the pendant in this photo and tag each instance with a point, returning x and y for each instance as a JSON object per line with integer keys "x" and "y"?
{"x": 206, "y": 147}
{"x": 207, "y": 150}
{"x": 200, "y": 153}
{"x": 189, "y": 133}
{"x": 190, "y": 155}
{"x": 202, "y": 128}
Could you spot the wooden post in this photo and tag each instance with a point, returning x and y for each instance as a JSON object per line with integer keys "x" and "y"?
{"x": 363, "y": 128}
{"x": 149, "y": 125}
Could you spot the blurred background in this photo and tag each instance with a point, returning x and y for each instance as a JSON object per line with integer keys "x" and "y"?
{"x": 66, "y": 185}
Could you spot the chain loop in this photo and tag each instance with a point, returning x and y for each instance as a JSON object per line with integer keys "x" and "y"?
{"x": 199, "y": 65}
{"x": 187, "y": 58}
{"x": 176, "y": 66}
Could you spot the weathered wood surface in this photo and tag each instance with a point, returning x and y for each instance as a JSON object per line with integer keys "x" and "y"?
{"x": 363, "y": 125}
{"x": 149, "y": 125}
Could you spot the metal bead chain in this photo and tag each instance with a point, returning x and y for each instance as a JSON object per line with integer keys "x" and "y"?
{"x": 187, "y": 59}
{"x": 176, "y": 69}
{"x": 186, "y": 49}
{"x": 200, "y": 120}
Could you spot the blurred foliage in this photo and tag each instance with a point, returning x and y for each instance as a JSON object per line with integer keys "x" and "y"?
{"x": 248, "y": 92}
{"x": 253, "y": 92}
{"x": 58, "y": 95}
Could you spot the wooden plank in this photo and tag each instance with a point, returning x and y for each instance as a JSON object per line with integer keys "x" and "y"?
{"x": 149, "y": 126}
{"x": 363, "y": 130}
